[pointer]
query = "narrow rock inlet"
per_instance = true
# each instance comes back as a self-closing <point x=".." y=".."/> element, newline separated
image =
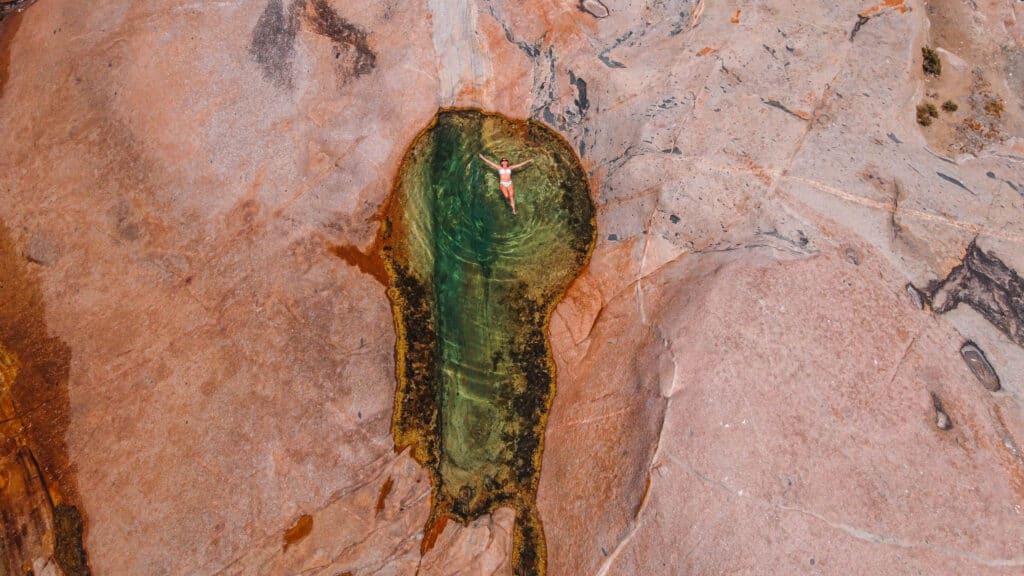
<point x="472" y="287"/>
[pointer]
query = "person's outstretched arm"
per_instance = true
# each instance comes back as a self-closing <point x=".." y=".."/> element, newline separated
<point x="491" y="164"/>
<point x="521" y="164"/>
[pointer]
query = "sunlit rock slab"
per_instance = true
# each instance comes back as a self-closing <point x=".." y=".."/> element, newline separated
<point x="174" y="173"/>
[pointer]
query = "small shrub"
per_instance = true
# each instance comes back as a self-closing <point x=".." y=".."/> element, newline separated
<point x="925" y="113"/>
<point x="994" y="108"/>
<point x="932" y="63"/>
<point x="950" y="106"/>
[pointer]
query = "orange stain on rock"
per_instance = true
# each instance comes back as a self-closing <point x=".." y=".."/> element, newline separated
<point x="35" y="469"/>
<point x="302" y="527"/>
<point x="382" y="498"/>
<point x="736" y="17"/>
<point x="430" y="535"/>
<point x="39" y="396"/>
<point x="1010" y="453"/>
<point x="707" y="50"/>
<point x="897" y="5"/>
<point x="368" y="262"/>
<point x="757" y="170"/>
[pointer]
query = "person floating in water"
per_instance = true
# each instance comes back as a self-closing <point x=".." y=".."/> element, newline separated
<point x="505" y="178"/>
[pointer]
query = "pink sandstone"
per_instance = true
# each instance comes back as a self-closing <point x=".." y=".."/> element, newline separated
<point x="744" y="385"/>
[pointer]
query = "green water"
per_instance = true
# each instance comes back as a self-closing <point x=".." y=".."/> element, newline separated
<point x="472" y="289"/>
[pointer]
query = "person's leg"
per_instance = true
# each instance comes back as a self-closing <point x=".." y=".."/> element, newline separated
<point x="512" y="197"/>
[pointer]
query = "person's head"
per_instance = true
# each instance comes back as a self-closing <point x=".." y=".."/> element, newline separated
<point x="504" y="162"/>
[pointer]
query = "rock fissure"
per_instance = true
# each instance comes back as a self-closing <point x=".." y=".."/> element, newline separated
<point x="886" y="540"/>
<point x="853" y="531"/>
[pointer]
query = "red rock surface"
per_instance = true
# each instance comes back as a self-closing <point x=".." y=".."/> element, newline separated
<point x="744" y="385"/>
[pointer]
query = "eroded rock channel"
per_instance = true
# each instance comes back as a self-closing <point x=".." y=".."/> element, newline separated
<point x="472" y="288"/>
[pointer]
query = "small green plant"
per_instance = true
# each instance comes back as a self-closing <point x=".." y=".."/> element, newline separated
<point x="950" y="106"/>
<point x="925" y="112"/>
<point x="932" y="63"/>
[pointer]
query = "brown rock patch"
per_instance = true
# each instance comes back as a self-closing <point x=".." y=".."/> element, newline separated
<point x="385" y="490"/>
<point x="37" y="416"/>
<point x="302" y="527"/>
<point x="8" y="27"/>
<point x="368" y="262"/>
